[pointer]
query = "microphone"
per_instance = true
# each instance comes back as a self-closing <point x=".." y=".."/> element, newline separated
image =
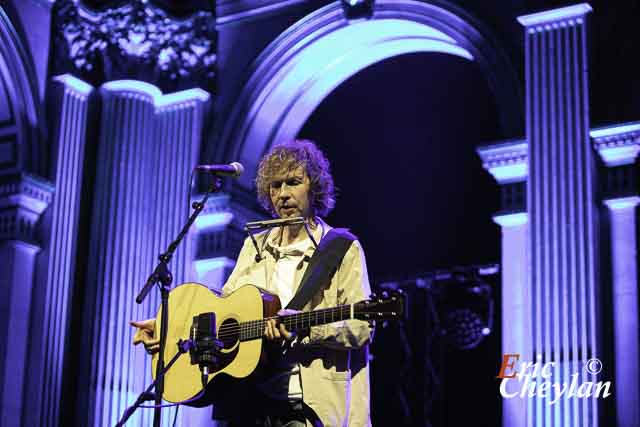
<point x="234" y="169"/>
<point x="262" y="225"/>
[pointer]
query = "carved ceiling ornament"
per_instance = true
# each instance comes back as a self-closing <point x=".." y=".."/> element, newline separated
<point x="135" y="40"/>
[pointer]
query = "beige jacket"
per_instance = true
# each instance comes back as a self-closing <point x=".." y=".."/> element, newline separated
<point x="333" y="358"/>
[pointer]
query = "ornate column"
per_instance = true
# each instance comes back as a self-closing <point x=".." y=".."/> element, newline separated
<point x="71" y="118"/>
<point x="23" y="199"/>
<point x="179" y="123"/>
<point x="507" y="162"/>
<point x="148" y="145"/>
<point x="563" y="241"/>
<point x="618" y="147"/>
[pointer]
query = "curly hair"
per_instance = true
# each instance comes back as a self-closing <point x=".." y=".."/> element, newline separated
<point x="287" y="157"/>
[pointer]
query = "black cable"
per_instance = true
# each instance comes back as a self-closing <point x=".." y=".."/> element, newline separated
<point x="175" y="416"/>
<point x="189" y="188"/>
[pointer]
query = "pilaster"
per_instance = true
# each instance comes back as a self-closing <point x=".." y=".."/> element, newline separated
<point x="561" y="206"/>
<point x="148" y="146"/>
<point x="618" y="146"/>
<point x="71" y="119"/>
<point x="507" y="162"/>
<point x="23" y="199"/>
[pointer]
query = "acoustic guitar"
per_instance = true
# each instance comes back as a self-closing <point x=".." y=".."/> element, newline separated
<point x="240" y="323"/>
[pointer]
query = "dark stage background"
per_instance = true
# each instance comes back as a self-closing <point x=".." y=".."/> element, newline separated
<point x="401" y="136"/>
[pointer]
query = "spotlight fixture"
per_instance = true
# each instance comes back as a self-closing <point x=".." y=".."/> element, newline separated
<point x="467" y="310"/>
<point x="358" y="9"/>
<point x="464" y="328"/>
<point x="462" y="307"/>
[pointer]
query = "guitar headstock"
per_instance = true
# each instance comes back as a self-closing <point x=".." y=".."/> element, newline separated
<point x="388" y="305"/>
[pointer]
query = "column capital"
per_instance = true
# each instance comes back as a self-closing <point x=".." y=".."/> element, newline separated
<point x="511" y="219"/>
<point x="506" y="160"/>
<point x="621" y="203"/>
<point x="153" y="95"/>
<point x="215" y="215"/>
<point x="23" y="198"/>
<point x="75" y="85"/>
<point x="544" y="20"/>
<point x="617" y="145"/>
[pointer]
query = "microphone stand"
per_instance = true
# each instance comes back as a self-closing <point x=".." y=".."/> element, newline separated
<point x="183" y="347"/>
<point x="162" y="277"/>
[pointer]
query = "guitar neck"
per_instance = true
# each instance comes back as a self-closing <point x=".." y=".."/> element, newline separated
<point x="254" y="329"/>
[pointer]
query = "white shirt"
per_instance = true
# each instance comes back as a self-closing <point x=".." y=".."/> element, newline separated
<point x="289" y="258"/>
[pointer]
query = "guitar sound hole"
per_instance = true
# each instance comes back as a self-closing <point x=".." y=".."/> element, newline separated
<point x="229" y="332"/>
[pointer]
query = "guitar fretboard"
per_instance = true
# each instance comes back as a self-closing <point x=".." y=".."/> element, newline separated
<point x="254" y="329"/>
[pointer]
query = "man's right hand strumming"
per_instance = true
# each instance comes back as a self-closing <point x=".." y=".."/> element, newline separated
<point x="145" y="335"/>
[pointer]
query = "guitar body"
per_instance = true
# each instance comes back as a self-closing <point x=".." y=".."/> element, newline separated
<point x="240" y="322"/>
<point x="239" y="358"/>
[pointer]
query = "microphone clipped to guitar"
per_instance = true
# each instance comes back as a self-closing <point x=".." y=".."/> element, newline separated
<point x="205" y="349"/>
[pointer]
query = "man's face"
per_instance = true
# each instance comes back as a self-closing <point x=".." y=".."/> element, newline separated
<point x="290" y="194"/>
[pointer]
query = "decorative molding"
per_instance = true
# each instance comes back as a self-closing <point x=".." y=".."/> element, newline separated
<point x="617" y="145"/>
<point x="79" y="87"/>
<point x="511" y="219"/>
<point x="39" y="191"/>
<point x="506" y="160"/>
<point x="135" y="40"/>
<point x="542" y="20"/>
<point x="232" y="11"/>
<point x="161" y="102"/>
<point x="23" y="198"/>
<point x="622" y="203"/>
<point x="617" y="131"/>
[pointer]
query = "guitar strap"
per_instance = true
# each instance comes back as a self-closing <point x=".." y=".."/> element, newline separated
<point x="322" y="266"/>
<point x="239" y="395"/>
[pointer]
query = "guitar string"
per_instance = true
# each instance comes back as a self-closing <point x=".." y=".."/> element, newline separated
<point x="255" y="326"/>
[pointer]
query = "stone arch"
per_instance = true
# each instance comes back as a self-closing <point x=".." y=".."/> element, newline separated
<point x="21" y="116"/>
<point x="305" y="63"/>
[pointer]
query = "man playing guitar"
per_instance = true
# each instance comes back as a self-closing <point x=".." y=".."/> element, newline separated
<point x="321" y="376"/>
